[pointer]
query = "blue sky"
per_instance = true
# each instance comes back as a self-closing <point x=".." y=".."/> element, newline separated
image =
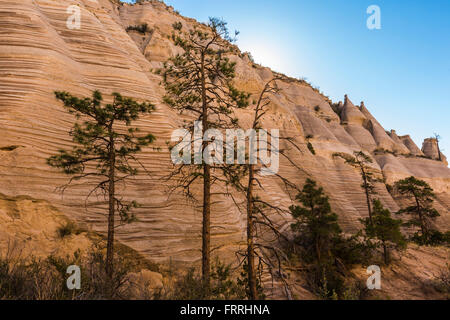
<point x="401" y="72"/>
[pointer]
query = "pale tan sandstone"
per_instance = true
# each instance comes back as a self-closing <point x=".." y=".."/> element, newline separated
<point x="410" y="144"/>
<point x="400" y="146"/>
<point x="39" y="54"/>
<point x="430" y="149"/>
<point x="384" y="141"/>
<point x="413" y="276"/>
<point x="29" y="228"/>
<point x="351" y="114"/>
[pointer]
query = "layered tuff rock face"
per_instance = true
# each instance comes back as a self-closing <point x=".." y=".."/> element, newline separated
<point x="40" y="54"/>
<point x="29" y="227"/>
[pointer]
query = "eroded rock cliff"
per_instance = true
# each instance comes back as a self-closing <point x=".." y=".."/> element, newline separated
<point x="40" y="54"/>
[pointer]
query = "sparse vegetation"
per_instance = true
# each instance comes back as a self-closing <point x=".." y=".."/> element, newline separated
<point x="435" y="238"/>
<point x="143" y="28"/>
<point x="442" y="281"/>
<point x="191" y="287"/>
<point x="384" y="151"/>
<point x="67" y="229"/>
<point x="362" y="162"/>
<point x="311" y="148"/>
<point x="438" y="140"/>
<point x="45" y="279"/>
<point x="177" y="26"/>
<point x="9" y="148"/>
<point x="250" y="56"/>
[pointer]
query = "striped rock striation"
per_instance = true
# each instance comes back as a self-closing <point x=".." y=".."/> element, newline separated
<point x="40" y="54"/>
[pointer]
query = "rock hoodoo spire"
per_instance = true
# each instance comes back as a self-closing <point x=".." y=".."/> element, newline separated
<point x="430" y="149"/>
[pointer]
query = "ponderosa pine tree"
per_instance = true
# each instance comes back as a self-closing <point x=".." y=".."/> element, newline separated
<point x="105" y="144"/>
<point x="253" y="205"/>
<point x="258" y="209"/>
<point x="315" y="222"/>
<point x="385" y="229"/>
<point x="362" y="162"/>
<point x="198" y="82"/>
<point x="422" y="211"/>
<point x="317" y="232"/>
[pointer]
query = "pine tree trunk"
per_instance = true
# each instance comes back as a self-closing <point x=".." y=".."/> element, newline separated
<point x="422" y="221"/>
<point x="386" y="253"/>
<point x="111" y="198"/>
<point x="439" y="149"/>
<point x="250" y="245"/>
<point x="319" y="258"/>
<point x="366" y="188"/>
<point x="206" y="231"/>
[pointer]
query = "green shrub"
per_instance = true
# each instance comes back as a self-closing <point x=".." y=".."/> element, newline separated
<point x="250" y="57"/>
<point x="67" y="229"/>
<point x="45" y="279"/>
<point x="353" y="251"/>
<point x="177" y="26"/>
<point x="442" y="281"/>
<point x="191" y="287"/>
<point x="384" y="151"/>
<point x="325" y="253"/>
<point x="390" y="188"/>
<point x="243" y="283"/>
<point x="34" y="280"/>
<point x="329" y="283"/>
<point x="9" y="148"/>
<point x="143" y="28"/>
<point x="311" y="148"/>
<point x="433" y="238"/>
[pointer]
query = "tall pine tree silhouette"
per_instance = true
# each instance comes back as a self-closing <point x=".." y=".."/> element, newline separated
<point x="105" y="147"/>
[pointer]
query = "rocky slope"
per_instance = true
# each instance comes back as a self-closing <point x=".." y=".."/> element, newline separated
<point x="29" y="227"/>
<point x="40" y="54"/>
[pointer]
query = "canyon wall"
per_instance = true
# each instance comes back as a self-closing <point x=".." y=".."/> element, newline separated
<point x="40" y="54"/>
